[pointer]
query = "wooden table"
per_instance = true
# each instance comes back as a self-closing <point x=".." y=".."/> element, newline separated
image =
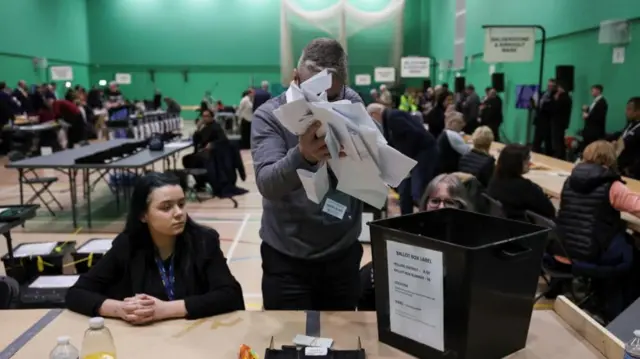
<point x="552" y="179"/>
<point x="15" y="322"/>
<point x="551" y="335"/>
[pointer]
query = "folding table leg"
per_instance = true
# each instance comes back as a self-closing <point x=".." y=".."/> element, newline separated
<point x="72" y="190"/>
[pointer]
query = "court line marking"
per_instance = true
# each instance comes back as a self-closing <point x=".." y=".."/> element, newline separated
<point x="29" y="334"/>
<point x="236" y="239"/>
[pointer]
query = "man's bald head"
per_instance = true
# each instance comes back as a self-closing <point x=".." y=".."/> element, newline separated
<point x="323" y="54"/>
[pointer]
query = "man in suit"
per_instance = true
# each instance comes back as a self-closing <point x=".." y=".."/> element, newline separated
<point x="560" y="119"/>
<point x="21" y="94"/>
<point x="595" y="117"/>
<point x="471" y="109"/>
<point x="261" y="95"/>
<point x="542" y="138"/>
<point x="628" y="141"/>
<point x="408" y="135"/>
<point x="492" y="113"/>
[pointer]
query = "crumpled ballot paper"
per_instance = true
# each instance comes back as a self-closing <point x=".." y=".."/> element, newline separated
<point x="370" y="164"/>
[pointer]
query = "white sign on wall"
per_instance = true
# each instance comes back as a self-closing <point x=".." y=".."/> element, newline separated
<point x="123" y="79"/>
<point x="61" y="73"/>
<point x="415" y="67"/>
<point x="363" y="80"/>
<point x="509" y="44"/>
<point x="618" y="55"/>
<point x="384" y="74"/>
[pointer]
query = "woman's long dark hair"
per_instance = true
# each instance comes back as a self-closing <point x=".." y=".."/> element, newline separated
<point x="511" y="161"/>
<point x="135" y="229"/>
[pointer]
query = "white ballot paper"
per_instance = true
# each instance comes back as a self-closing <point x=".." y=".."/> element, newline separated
<point x="316" y="185"/>
<point x="54" y="281"/>
<point x="370" y="164"/>
<point x="416" y="303"/>
<point x="98" y="245"/>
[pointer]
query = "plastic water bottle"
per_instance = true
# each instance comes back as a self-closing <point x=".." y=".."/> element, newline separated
<point x="98" y="342"/>
<point x="632" y="349"/>
<point x="64" y="350"/>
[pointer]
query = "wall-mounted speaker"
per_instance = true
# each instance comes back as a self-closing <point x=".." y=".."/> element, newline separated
<point x="564" y="76"/>
<point x="497" y="81"/>
<point x="459" y="85"/>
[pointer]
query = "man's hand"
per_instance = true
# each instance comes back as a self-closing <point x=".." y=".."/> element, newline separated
<point x="313" y="149"/>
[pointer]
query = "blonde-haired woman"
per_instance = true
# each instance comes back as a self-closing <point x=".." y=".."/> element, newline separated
<point x="451" y="144"/>
<point x="478" y="162"/>
<point x="591" y="227"/>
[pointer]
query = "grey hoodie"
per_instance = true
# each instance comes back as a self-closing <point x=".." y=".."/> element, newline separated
<point x="291" y="223"/>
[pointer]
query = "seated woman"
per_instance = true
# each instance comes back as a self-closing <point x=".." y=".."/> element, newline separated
<point x="590" y="224"/>
<point x="163" y="265"/>
<point x="478" y="162"/>
<point x="444" y="191"/>
<point x="451" y="144"/>
<point x="516" y="193"/>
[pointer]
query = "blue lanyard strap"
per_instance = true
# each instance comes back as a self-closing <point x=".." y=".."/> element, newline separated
<point x="168" y="278"/>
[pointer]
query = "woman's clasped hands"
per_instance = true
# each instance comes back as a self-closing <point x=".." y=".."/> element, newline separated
<point x="142" y="309"/>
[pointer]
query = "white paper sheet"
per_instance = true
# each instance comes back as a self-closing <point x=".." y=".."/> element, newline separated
<point x="416" y="293"/>
<point x="332" y="143"/>
<point x="34" y="249"/>
<point x="316" y="185"/>
<point x="100" y="245"/>
<point x="54" y="281"/>
<point x="394" y="166"/>
<point x="365" y="234"/>
<point x="361" y="180"/>
<point x="318" y="83"/>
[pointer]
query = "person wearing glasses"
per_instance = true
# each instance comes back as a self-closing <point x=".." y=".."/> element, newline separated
<point x="444" y="191"/>
<point x="516" y="193"/>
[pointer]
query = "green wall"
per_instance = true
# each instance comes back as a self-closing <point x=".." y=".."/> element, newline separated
<point x="224" y="45"/>
<point x="52" y="29"/>
<point x="572" y="32"/>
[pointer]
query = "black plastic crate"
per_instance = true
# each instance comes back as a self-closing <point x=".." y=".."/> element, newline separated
<point x="84" y="257"/>
<point x="459" y="284"/>
<point x="25" y="269"/>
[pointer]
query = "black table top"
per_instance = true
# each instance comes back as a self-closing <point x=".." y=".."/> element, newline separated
<point x="147" y="157"/>
<point x="67" y="158"/>
<point x="624" y="325"/>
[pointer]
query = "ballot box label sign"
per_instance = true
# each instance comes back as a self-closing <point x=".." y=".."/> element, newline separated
<point x="416" y="303"/>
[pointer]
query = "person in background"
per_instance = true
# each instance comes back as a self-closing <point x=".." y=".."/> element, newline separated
<point x="208" y="98"/>
<point x="95" y="98"/>
<point x="69" y="112"/>
<point x="385" y="96"/>
<point x="407" y="102"/>
<point x="7" y="105"/>
<point x="114" y="96"/>
<point x="207" y="133"/>
<point x="219" y="106"/>
<point x="471" y="109"/>
<point x="310" y="254"/>
<point x="595" y="117"/>
<point x="516" y="193"/>
<point x="542" y="139"/>
<point x="162" y="266"/>
<point x="592" y="230"/>
<point x="560" y="120"/>
<point x="51" y="92"/>
<point x="492" y="113"/>
<point x="375" y="97"/>
<point x="451" y="145"/>
<point x="157" y="100"/>
<point x="245" y="114"/>
<point x="24" y="98"/>
<point x="627" y="141"/>
<point x="479" y="162"/>
<point x="173" y="107"/>
<point x="435" y="117"/>
<point x="410" y="138"/>
<point x="261" y="95"/>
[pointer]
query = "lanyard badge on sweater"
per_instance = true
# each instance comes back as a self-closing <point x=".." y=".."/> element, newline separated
<point x="167" y="276"/>
<point x="630" y="131"/>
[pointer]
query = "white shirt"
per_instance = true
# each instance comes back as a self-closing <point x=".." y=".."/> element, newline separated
<point x="245" y="109"/>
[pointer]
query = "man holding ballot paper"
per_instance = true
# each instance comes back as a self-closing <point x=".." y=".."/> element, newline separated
<point x="317" y="156"/>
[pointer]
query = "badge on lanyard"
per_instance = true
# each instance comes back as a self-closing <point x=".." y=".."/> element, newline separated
<point x="167" y="277"/>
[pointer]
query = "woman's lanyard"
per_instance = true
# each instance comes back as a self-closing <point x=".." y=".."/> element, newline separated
<point x="167" y="277"/>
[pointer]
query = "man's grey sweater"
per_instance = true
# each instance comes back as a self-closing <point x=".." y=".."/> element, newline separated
<point x="291" y="223"/>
